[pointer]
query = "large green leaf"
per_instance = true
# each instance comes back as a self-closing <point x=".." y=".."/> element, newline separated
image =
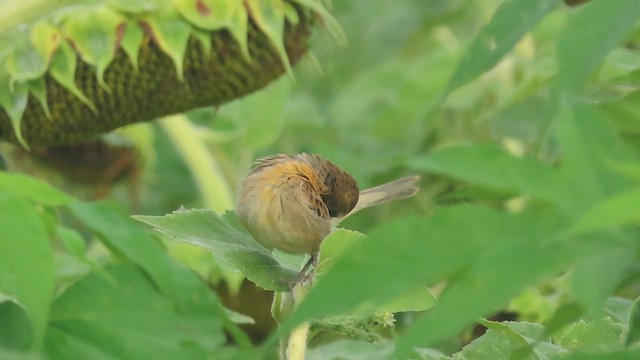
<point x="617" y="210"/>
<point x="590" y="35"/>
<point x="504" y="340"/>
<point x="228" y="242"/>
<point x="34" y="190"/>
<point x="487" y="285"/>
<point x="511" y="21"/>
<point x="127" y="238"/>
<point x="594" y="279"/>
<point x="492" y="166"/>
<point x="402" y="255"/>
<point x="26" y="263"/>
<point x="128" y="319"/>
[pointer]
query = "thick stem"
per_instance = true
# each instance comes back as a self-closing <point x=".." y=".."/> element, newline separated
<point x="185" y="136"/>
<point x="295" y="345"/>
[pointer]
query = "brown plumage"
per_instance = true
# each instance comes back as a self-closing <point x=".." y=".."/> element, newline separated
<point x="291" y="202"/>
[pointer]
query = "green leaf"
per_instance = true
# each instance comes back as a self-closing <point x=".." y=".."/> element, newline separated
<point x="415" y="251"/>
<point x="602" y="335"/>
<point x="616" y="355"/>
<point x="121" y="234"/>
<point x="504" y="273"/>
<point x="131" y="41"/>
<point x="633" y="334"/>
<point x="32" y="189"/>
<point x="95" y="319"/>
<point x="30" y="58"/>
<point x="95" y="37"/>
<point x="63" y="70"/>
<point x="171" y="32"/>
<point x="227" y="241"/>
<point x="16" y="330"/>
<point x="135" y="7"/>
<point x="492" y="166"/>
<point x="619" y="309"/>
<point x="261" y="116"/>
<point x="339" y="242"/>
<point x="563" y="316"/>
<point x="216" y="15"/>
<point x="511" y="21"/>
<point x="26" y="263"/>
<point x="351" y="350"/>
<point x="38" y="88"/>
<point x="75" y="246"/>
<point x="13" y="98"/>
<point x="596" y="29"/>
<point x="269" y="17"/>
<point x="618" y="210"/>
<point x="328" y="21"/>
<point x="336" y="245"/>
<point x="504" y="340"/>
<point x="588" y="142"/>
<point x="594" y="279"/>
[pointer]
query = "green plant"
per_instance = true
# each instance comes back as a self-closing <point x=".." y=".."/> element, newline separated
<point x="522" y="118"/>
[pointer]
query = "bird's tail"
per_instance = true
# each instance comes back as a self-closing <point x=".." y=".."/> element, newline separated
<point x="394" y="190"/>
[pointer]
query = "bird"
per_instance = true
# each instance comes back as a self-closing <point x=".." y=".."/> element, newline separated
<point x="292" y="202"/>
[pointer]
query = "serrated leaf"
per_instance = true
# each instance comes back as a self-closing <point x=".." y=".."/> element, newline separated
<point x="32" y="189"/>
<point x="63" y="70"/>
<point x="492" y="166"/>
<point x="95" y="37"/>
<point x="26" y="263"/>
<point x="511" y="21"/>
<point x="171" y="33"/>
<point x="227" y="242"/>
<point x="269" y="17"/>
<point x="602" y="335"/>
<point x="506" y="340"/>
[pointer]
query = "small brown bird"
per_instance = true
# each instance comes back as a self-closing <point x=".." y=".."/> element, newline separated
<point x="291" y="202"/>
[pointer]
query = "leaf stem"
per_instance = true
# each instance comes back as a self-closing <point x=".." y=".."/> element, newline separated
<point x="185" y="136"/>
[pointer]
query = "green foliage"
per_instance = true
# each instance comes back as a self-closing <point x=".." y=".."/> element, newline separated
<point x="520" y="116"/>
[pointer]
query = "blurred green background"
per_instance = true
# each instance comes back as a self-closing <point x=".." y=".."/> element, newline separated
<point x="374" y="107"/>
